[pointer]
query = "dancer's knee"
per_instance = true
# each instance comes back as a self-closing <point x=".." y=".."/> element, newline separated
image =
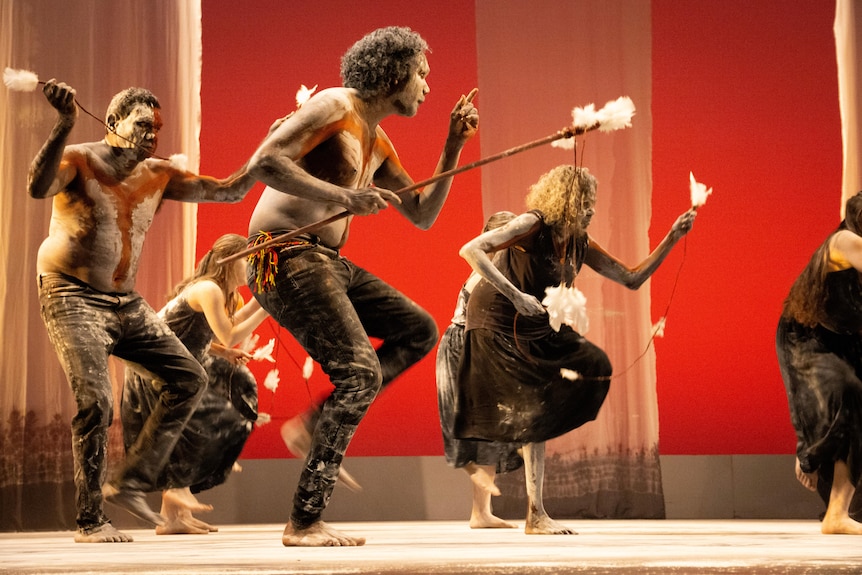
<point x="189" y="384"/>
<point x="423" y="334"/>
<point x="95" y="406"/>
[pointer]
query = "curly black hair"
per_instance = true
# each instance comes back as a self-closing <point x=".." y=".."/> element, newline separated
<point x="124" y="102"/>
<point x="381" y="60"/>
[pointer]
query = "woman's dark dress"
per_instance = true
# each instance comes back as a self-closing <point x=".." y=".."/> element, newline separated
<point x="218" y="429"/>
<point x="822" y="371"/>
<point x="510" y="385"/>
<point x="503" y="456"/>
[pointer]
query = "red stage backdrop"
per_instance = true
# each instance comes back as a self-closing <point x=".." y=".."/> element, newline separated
<point x="744" y="93"/>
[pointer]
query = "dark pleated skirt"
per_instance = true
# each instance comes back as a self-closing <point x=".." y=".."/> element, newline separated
<point x="515" y="392"/>
<point x="503" y="456"/>
<point x="821" y="372"/>
<point x="214" y="435"/>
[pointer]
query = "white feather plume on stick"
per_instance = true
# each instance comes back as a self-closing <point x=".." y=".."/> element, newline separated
<point x="20" y="80"/>
<point x="698" y="192"/>
<point x="615" y="115"/>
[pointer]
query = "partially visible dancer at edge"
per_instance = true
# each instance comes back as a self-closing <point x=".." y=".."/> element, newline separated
<point x="332" y="157"/>
<point x="481" y="460"/>
<point x="819" y="346"/>
<point x="208" y="314"/>
<point x="522" y="381"/>
<point x="105" y="195"/>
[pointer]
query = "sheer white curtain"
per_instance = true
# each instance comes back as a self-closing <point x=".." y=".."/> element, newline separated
<point x="537" y="61"/>
<point x="848" y="31"/>
<point x="99" y="47"/>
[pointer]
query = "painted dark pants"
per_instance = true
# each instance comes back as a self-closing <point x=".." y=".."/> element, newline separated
<point x="332" y="307"/>
<point x="86" y="326"/>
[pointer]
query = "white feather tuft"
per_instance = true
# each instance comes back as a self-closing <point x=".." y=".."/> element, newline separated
<point x="569" y="374"/>
<point x="20" y="80"/>
<point x="179" y="162"/>
<point x="658" y="328"/>
<point x="307" y="368"/>
<point x="249" y="343"/>
<point x="303" y="94"/>
<point x="585" y="117"/>
<point x="263" y="418"/>
<point x="698" y="192"/>
<point x="271" y="380"/>
<point x="616" y="114"/>
<point x="567" y="305"/>
<point x="265" y="352"/>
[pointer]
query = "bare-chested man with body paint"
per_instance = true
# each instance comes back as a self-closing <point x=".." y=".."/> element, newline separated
<point x="105" y="195"/>
<point x="328" y="157"/>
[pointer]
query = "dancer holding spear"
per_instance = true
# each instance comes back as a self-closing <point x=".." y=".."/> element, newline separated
<point x="331" y="157"/>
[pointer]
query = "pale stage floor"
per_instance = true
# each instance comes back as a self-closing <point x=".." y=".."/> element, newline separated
<point x="430" y="547"/>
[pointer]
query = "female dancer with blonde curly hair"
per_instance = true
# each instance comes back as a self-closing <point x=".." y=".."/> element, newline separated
<point x="521" y="380"/>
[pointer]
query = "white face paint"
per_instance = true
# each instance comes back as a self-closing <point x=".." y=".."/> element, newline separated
<point x="413" y="92"/>
<point x="140" y="128"/>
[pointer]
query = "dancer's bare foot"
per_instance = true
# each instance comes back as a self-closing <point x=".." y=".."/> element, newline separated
<point x="133" y="501"/>
<point x="297" y="438"/>
<point x="182" y="498"/>
<point x="837" y="519"/>
<point x="318" y="534"/>
<point x="489" y="521"/>
<point x="177" y="507"/>
<point x="482" y="478"/>
<point x="180" y="526"/>
<point x="808" y="480"/>
<point x="840" y="525"/>
<point x="546" y="526"/>
<point x="104" y="533"/>
<point x="195" y="522"/>
<point x="184" y="523"/>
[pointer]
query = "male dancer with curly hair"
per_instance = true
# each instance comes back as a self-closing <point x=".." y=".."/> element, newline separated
<point x="332" y="156"/>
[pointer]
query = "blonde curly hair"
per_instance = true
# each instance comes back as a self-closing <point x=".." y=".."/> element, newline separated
<point x="560" y="192"/>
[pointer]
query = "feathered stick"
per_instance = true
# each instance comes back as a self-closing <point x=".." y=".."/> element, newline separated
<point x="698" y="192"/>
<point x="20" y="80"/>
<point x="614" y="116"/>
<point x="27" y="81"/>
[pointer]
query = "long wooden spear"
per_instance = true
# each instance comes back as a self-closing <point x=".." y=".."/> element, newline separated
<point x="567" y="132"/>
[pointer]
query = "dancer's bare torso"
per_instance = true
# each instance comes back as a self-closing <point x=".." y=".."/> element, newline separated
<point x="101" y="217"/>
<point x="338" y="147"/>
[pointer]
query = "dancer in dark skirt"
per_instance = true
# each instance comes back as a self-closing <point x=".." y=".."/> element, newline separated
<point x="819" y="346"/>
<point x="482" y="460"/>
<point x="522" y="380"/>
<point x="205" y="307"/>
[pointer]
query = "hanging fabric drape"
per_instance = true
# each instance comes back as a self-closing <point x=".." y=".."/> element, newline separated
<point x="99" y="47"/>
<point x="848" y="31"/>
<point x="609" y="467"/>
